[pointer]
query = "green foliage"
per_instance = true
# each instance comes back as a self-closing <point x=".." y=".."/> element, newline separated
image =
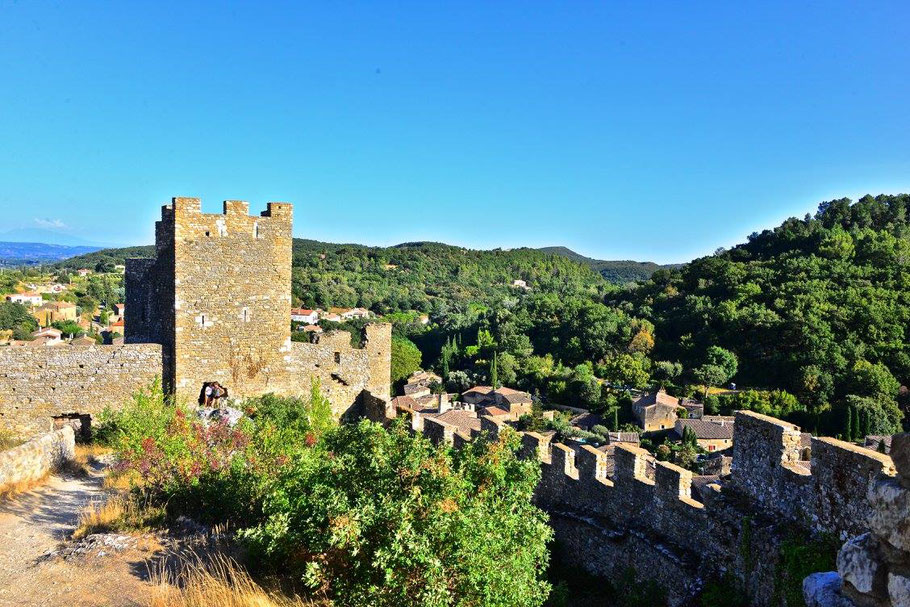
<point x="381" y="517"/>
<point x="799" y="556"/>
<point x="16" y="317"/>
<point x="776" y="403"/>
<point x="819" y="307"/>
<point x="69" y="328"/>
<point x="406" y="358"/>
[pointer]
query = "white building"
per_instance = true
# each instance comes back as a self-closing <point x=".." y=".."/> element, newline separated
<point x="26" y="299"/>
<point x="310" y="317"/>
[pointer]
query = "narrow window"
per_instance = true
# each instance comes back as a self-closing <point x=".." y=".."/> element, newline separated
<point x="246" y="315"/>
<point x="337" y="358"/>
<point x="255" y="229"/>
<point x="202" y="320"/>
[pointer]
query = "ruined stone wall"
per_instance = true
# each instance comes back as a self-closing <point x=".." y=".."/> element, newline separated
<point x="828" y="495"/>
<point x="680" y="536"/>
<point x="31" y="461"/>
<point x="39" y="383"/>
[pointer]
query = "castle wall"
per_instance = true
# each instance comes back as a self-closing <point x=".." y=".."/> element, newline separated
<point x="229" y="278"/>
<point x="232" y="297"/>
<point x="681" y="537"/>
<point x="31" y="461"/>
<point x="39" y="383"/>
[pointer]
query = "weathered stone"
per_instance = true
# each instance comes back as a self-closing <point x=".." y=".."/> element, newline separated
<point x="900" y="453"/>
<point x="857" y="564"/>
<point x="899" y="590"/>
<point x="37" y="384"/>
<point x="32" y="460"/>
<point x="890" y="518"/>
<point x="823" y="590"/>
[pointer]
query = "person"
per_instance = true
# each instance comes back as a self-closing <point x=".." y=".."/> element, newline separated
<point x="209" y="393"/>
<point x="218" y="392"/>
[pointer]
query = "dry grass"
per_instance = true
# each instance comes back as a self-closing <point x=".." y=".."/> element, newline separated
<point x="120" y="481"/>
<point x="85" y="459"/>
<point x="13" y="489"/>
<point x="216" y="581"/>
<point x="8" y="440"/>
<point x="117" y="513"/>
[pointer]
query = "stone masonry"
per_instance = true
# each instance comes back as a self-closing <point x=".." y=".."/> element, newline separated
<point x="31" y="461"/>
<point x="873" y="568"/>
<point x="212" y="305"/>
<point x="679" y="533"/>
<point x="37" y="384"/>
<point x="217" y="297"/>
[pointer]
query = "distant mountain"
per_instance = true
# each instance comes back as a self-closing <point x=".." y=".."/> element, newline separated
<point x="33" y="253"/>
<point x="619" y="272"/>
<point x="49" y="237"/>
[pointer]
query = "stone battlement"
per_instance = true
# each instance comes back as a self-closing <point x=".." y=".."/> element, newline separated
<point x="680" y="529"/>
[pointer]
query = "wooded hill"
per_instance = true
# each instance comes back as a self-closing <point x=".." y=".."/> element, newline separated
<point x="619" y="272"/>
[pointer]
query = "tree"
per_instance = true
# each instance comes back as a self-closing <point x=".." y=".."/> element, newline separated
<point x="406" y="358"/>
<point x="494" y="377"/>
<point x="665" y="372"/>
<point x="710" y="375"/>
<point x="16" y="317"/>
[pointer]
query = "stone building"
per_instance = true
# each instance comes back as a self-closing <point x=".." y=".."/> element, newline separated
<point x="213" y="304"/>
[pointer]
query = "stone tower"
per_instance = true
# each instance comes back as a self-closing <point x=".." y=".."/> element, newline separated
<point x="217" y="296"/>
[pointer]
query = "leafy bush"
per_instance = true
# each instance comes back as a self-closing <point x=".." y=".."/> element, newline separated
<point x="381" y="517"/>
<point x="360" y="513"/>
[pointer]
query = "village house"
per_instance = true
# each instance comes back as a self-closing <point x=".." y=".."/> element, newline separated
<point x="48" y="336"/>
<point x="55" y="311"/>
<point x="355" y="313"/>
<point x="488" y="401"/>
<point x="709" y="435"/>
<point x="312" y="329"/>
<point x="518" y="283"/>
<point x="119" y="309"/>
<point x="83" y="271"/>
<point x="656" y="411"/>
<point x="29" y="298"/>
<point x="82" y="341"/>
<point x="310" y="317"/>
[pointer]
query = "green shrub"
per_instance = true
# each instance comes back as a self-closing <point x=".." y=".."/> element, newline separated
<point x="381" y="517"/>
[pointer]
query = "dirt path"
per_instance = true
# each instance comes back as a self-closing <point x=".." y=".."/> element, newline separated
<point x="34" y="524"/>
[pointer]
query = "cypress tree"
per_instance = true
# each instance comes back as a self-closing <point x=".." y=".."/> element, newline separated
<point x="848" y="424"/>
<point x="494" y="373"/>
<point x="615" y="418"/>
<point x="864" y="417"/>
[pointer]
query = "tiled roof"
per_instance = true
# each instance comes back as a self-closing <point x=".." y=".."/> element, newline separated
<point x="479" y="390"/>
<point x="494" y="411"/>
<point x="465" y="421"/>
<point x="705" y="429"/>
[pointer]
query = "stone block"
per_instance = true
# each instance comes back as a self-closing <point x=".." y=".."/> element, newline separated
<point x="823" y="590"/>
<point x="890" y="518"/>
<point x="900" y="453"/>
<point x="899" y="590"/>
<point x="857" y="564"/>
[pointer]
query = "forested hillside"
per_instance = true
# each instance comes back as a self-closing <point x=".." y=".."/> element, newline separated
<point x="619" y="272"/>
<point x="818" y="306"/>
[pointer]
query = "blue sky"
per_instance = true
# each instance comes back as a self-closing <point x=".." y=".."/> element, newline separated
<point x="651" y="131"/>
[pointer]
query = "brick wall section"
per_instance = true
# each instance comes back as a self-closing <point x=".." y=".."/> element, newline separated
<point x="680" y="537"/>
<point x="39" y="383"/>
<point x="31" y="461"/>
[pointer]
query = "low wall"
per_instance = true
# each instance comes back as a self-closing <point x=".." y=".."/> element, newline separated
<point x="680" y="533"/>
<point x="39" y="383"/>
<point x="31" y="461"/>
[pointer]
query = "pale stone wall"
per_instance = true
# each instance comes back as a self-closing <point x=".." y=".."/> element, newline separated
<point x="37" y="384"/>
<point x="31" y="461"/>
